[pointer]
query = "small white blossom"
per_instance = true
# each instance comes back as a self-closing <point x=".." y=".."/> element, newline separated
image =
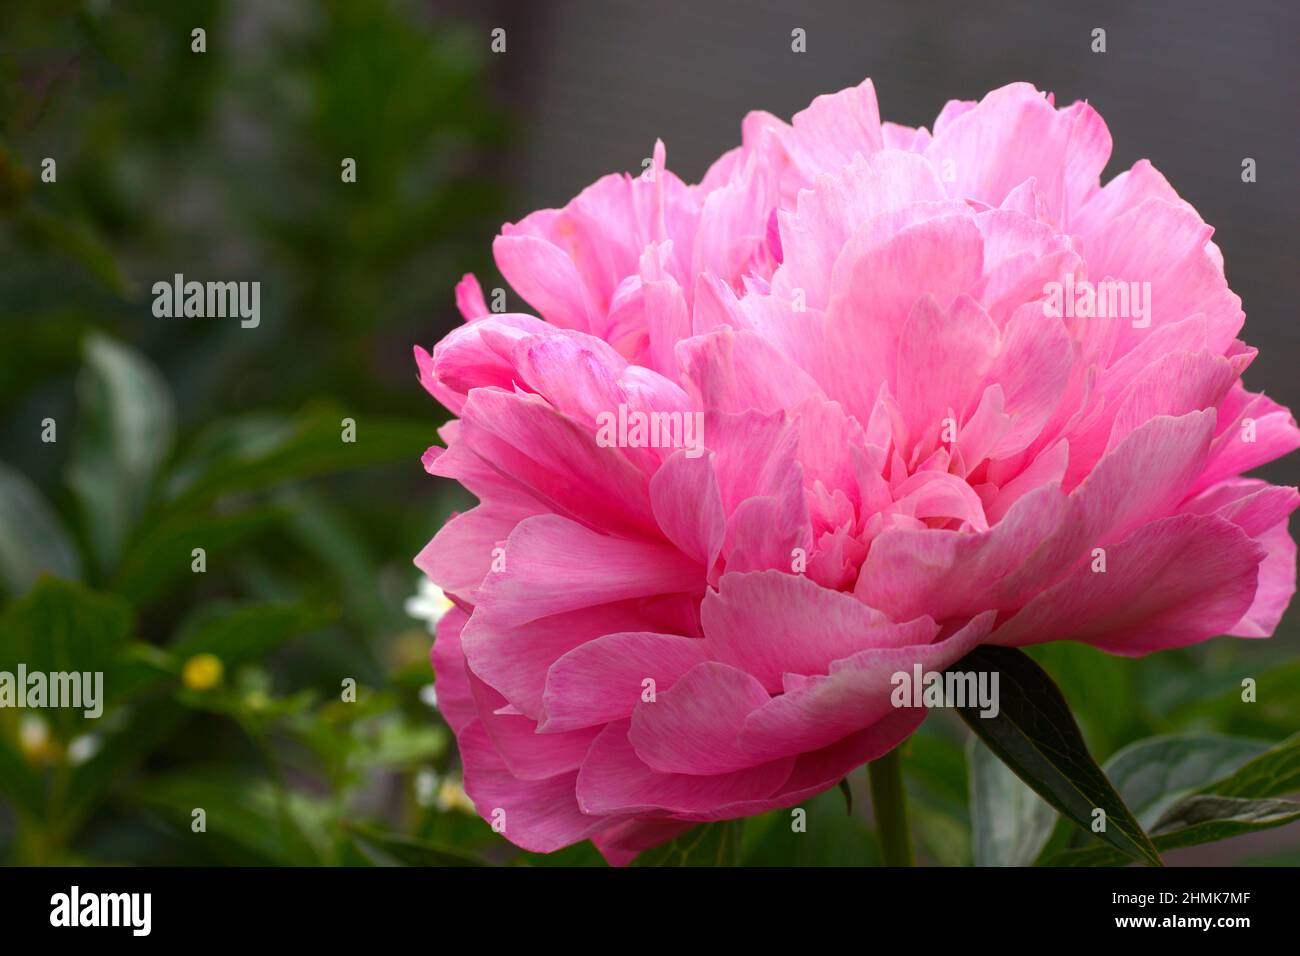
<point x="83" y="748"/>
<point x="428" y="604"/>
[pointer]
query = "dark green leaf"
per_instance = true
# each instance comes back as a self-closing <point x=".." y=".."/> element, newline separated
<point x="76" y="240"/>
<point x="249" y="821"/>
<point x="20" y="782"/>
<point x="165" y="551"/>
<point x="1106" y="682"/>
<point x="121" y="749"/>
<point x="32" y="539"/>
<point x="314" y="447"/>
<point x="61" y="626"/>
<point x="241" y="635"/>
<point x="1035" y="735"/>
<point x="1196" y="820"/>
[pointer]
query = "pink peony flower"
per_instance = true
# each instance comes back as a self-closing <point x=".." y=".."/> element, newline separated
<point x="864" y="398"/>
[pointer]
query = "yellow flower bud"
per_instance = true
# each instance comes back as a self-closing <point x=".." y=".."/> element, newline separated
<point x="202" y="672"/>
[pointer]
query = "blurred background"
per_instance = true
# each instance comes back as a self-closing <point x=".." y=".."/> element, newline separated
<point x="226" y="685"/>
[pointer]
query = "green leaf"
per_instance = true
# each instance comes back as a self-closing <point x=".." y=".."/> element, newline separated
<point x="934" y="767"/>
<point x="1151" y="775"/>
<point x="313" y="447"/>
<point x="1239" y="803"/>
<point x="936" y="762"/>
<point x="20" y="782"/>
<point x="1212" y="812"/>
<point x="77" y="241"/>
<point x="394" y="744"/>
<point x="249" y="821"/>
<point x="1106" y="682"/>
<point x="1273" y="772"/>
<point x="165" y="551"/>
<point x="126" y="430"/>
<point x="943" y="836"/>
<point x="32" y="539"/>
<point x="392" y="849"/>
<point x="1196" y="820"/>
<point x="343" y="557"/>
<point x="828" y="836"/>
<point x="709" y="844"/>
<point x="1035" y="735"/>
<point x="1010" y="825"/>
<point x="61" y="626"/>
<point x="244" y="634"/>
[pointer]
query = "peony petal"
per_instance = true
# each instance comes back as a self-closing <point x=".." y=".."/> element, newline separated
<point x="516" y="660"/>
<point x="688" y="506"/>
<point x="546" y="278"/>
<point x="1173" y="582"/>
<point x="1144" y="476"/>
<point x="874" y="287"/>
<point x="951" y="574"/>
<point x="553" y="565"/>
<point x="538" y="815"/>
<point x="1276" y="584"/>
<point x="693" y="726"/>
<point x="817" y="711"/>
<point x="770" y="623"/>
<point x="615" y="780"/>
<point x="451" y="678"/>
<point x="602" y="681"/>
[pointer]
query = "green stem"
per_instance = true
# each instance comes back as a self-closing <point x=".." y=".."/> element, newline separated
<point x="889" y="803"/>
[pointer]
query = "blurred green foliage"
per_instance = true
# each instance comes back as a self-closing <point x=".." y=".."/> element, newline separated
<point x="176" y="434"/>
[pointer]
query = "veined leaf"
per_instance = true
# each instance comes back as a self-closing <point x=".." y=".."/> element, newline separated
<point x="1243" y="802"/>
<point x="1274" y="772"/>
<point x="1151" y="775"/>
<point x="1035" y="735"/>
<point x="1213" y="812"/>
